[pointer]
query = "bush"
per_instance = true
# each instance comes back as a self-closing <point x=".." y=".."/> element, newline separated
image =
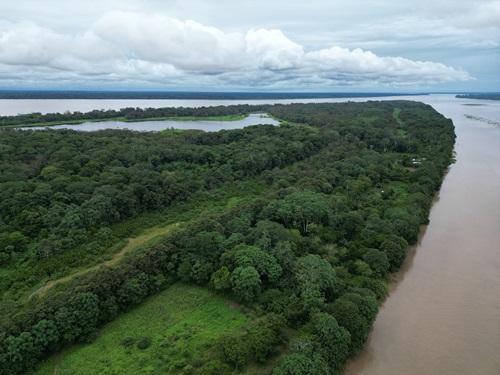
<point x="213" y="368"/>
<point x="234" y="351"/>
<point x="128" y="342"/>
<point x="144" y="343"/>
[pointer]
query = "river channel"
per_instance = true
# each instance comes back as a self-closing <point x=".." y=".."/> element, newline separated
<point x="443" y="314"/>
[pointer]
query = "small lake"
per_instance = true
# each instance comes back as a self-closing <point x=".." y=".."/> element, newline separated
<point x="209" y="126"/>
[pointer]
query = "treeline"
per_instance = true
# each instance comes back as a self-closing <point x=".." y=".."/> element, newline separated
<point x="127" y="114"/>
<point x="349" y="185"/>
<point x="488" y="96"/>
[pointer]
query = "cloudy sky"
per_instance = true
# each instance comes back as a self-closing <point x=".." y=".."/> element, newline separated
<point x="258" y="45"/>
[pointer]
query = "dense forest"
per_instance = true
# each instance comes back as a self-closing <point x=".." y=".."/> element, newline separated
<point x="323" y="208"/>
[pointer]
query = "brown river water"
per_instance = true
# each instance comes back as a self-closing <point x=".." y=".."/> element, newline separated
<point x="443" y="314"/>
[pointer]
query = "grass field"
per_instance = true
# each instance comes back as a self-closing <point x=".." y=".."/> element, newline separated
<point x="180" y="325"/>
<point x="395" y="114"/>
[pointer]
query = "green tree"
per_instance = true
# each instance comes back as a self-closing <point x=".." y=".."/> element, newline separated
<point x="234" y="351"/>
<point x="214" y="367"/>
<point x="262" y="343"/>
<point x="403" y="223"/>
<point x="314" y="273"/>
<point x="300" y="364"/>
<point x="45" y="333"/>
<point x="246" y="283"/>
<point x="301" y="208"/>
<point x="20" y="349"/>
<point x="378" y="262"/>
<point x="352" y="224"/>
<point x="265" y="264"/>
<point x="396" y="249"/>
<point x="367" y="304"/>
<point x="201" y="272"/>
<point x="348" y="316"/>
<point x="77" y="320"/>
<point x="98" y="210"/>
<point x="314" y="276"/>
<point x="333" y="341"/>
<point x="221" y="279"/>
<point x="132" y="291"/>
<point x="362" y="268"/>
<point x="14" y="241"/>
<point x="284" y="255"/>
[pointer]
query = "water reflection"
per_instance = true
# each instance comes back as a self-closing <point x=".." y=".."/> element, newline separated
<point x="252" y="119"/>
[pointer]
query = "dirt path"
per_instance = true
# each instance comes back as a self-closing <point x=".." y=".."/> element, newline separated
<point x="132" y="244"/>
<point x="57" y="366"/>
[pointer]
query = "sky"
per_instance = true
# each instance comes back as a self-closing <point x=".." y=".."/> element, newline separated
<point x="258" y="45"/>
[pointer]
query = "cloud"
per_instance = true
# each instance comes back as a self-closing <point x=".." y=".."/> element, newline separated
<point x="273" y="50"/>
<point x="189" y="46"/>
<point x="135" y="47"/>
<point x="26" y="43"/>
<point x="365" y="65"/>
<point x="471" y="14"/>
<point x="486" y="15"/>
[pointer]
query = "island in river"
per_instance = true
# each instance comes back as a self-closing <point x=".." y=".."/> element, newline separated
<point x="443" y="316"/>
<point x="334" y="189"/>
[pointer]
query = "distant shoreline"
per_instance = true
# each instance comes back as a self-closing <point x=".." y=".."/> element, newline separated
<point x="490" y="96"/>
<point x="76" y="94"/>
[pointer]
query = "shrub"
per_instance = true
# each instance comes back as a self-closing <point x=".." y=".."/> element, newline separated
<point x="144" y="343"/>
<point x="128" y="342"/>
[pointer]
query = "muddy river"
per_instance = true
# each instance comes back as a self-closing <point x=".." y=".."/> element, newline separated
<point x="443" y="314"/>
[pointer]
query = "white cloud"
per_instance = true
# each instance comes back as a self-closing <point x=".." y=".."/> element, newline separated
<point x="471" y="14"/>
<point x="189" y="45"/>
<point x="28" y="44"/>
<point x="366" y="65"/>
<point x="486" y="15"/>
<point x="130" y="46"/>
<point x="273" y="50"/>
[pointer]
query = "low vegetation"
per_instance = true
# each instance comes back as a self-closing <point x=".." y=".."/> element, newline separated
<point x="175" y="330"/>
<point x="300" y="224"/>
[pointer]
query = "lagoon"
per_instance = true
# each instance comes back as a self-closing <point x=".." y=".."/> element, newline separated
<point x="252" y="119"/>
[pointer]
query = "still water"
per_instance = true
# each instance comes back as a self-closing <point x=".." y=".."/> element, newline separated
<point x="443" y="314"/>
<point x="252" y="119"/>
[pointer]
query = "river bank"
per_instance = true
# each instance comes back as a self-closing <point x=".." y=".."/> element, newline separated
<point x="443" y="316"/>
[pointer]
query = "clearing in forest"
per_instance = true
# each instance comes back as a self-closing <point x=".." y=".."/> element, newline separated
<point x="163" y="335"/>
<point x="132" y="243"/>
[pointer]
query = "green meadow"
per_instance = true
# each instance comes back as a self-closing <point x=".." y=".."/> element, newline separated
<point x="172" y="332"/>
